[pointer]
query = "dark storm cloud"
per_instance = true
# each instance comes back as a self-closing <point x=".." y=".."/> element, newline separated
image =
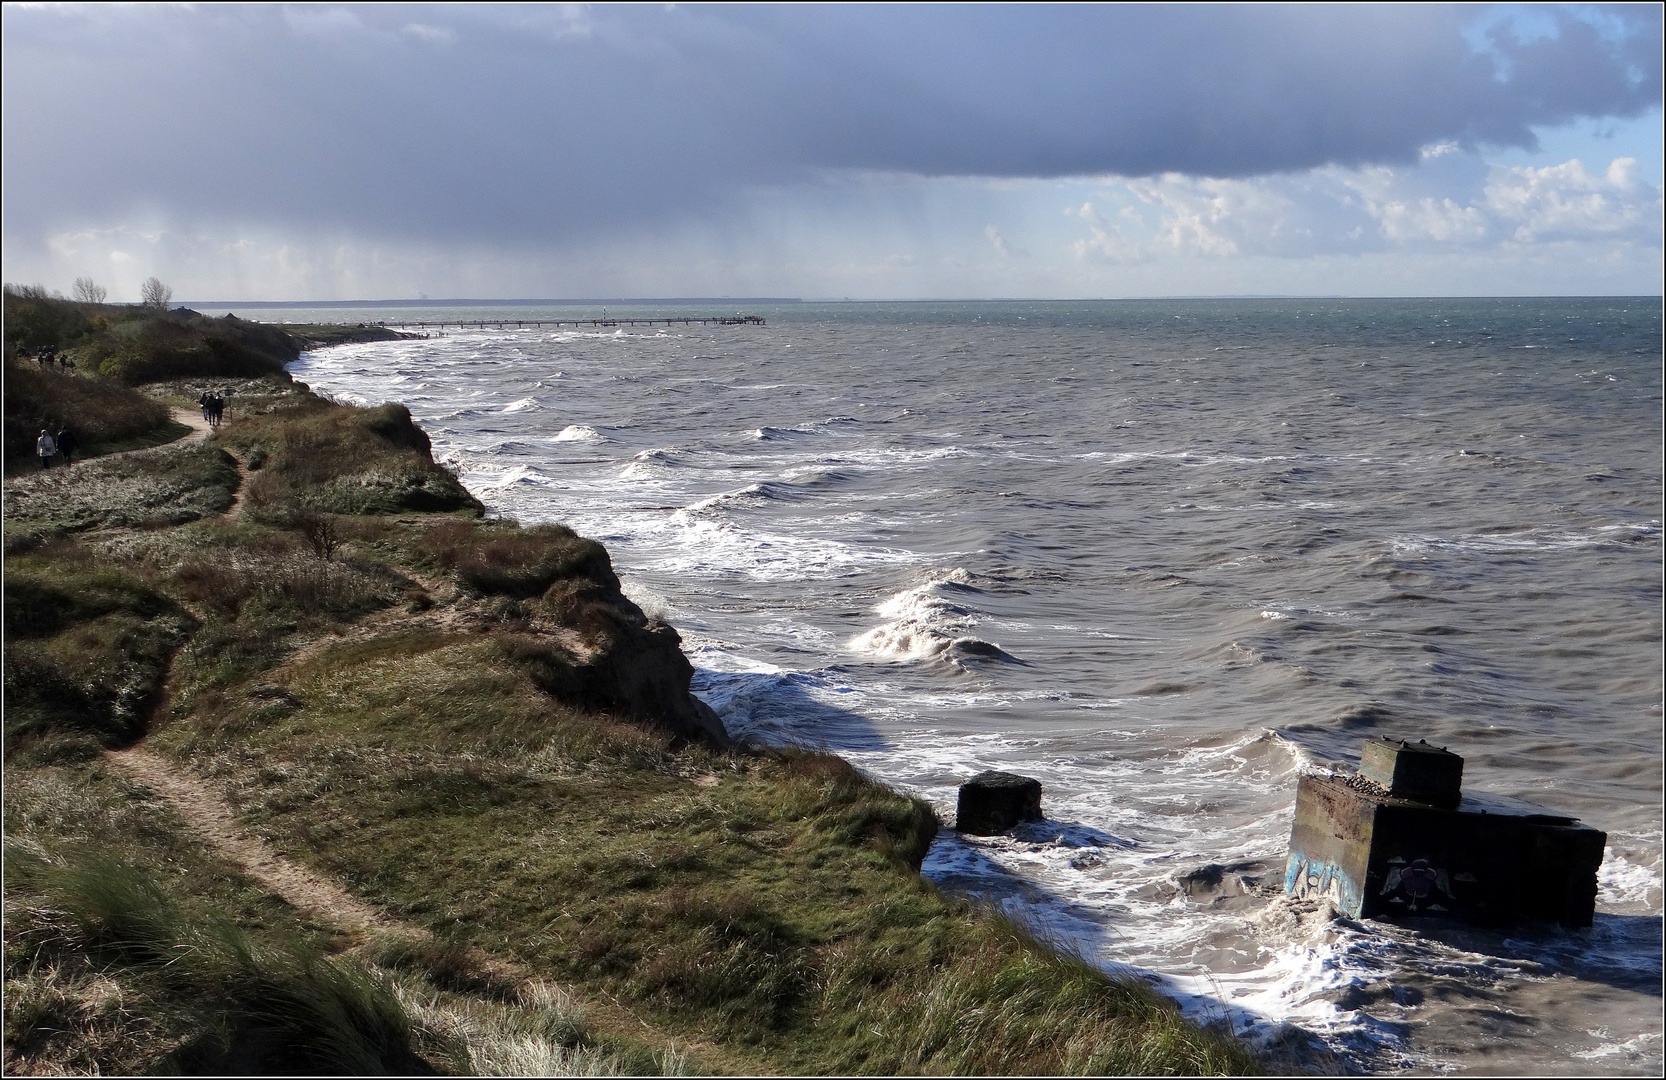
<point x="532" y="124"/>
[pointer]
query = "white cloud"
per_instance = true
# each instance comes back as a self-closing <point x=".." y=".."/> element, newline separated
<point x="1442" y="221"/>
<point x="1566" y="202"/>
<point x="1402" y="216"/>
<point x="1449" y="201"/>
<point x="438" y="35"/>
<point x="327" y="22"/>
<point x="1106" y="241"/>
<point x="996" y="239"/>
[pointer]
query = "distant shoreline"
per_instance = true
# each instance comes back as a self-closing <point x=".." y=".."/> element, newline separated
<point x="485" y="303"/>
<point x="738" y="300"/>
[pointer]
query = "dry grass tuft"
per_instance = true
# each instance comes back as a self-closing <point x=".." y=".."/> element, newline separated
<point x="343" y="460"/>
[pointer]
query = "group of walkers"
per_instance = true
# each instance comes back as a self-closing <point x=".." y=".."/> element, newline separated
<point x="47" y="357"/>
<point x="64" y="443"/>
<point x="213" y="407"/>
<point x="49" y="446"/>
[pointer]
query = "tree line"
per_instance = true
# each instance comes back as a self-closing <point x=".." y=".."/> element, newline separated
<point x="152" y="293"/>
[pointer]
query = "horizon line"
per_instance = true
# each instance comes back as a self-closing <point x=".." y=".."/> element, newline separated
<point x="682" y="300"/>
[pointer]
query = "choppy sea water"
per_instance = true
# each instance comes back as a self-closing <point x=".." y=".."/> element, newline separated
<point x="1163" y="556"/>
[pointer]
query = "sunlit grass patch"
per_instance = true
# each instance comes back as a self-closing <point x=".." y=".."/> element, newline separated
<point x="503" y="560"/>
<point x="422" y="690"/>
<point x="167" y="486"/>
<point x="272" y="1005"/>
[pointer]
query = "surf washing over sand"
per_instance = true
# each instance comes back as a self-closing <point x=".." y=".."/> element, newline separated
<point x="1162" y="556"/>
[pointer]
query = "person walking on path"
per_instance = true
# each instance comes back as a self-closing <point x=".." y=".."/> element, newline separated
<point x="206" y="400"/>
<point x="45" y="446"/>
<point x="67" y="445"/>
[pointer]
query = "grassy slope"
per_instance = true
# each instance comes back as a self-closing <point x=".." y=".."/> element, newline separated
<point x="436" y="718"/>
<point x="115" y="348"/>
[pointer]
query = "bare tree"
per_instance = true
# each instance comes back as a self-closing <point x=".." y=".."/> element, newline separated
<point x="322" y="531"/>
<point x="88" y="293"/>
<point x="154" y="294"/>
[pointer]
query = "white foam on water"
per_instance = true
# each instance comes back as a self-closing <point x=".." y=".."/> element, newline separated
<point x="1623" y="883"/>
<point x="692" y="544"/>
<point x="578" y="433"/>
<point x="924" y="623"/>
<point x="1644" y="1050"/>
<point x="1528" y="541"/>
<point x="486" y="476"/>
<point x="721" y="501"/>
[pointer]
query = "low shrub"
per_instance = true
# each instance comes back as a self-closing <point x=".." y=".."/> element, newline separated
<point x="504" y="560"/>
<point x="35" y="320"/>
<point x="228" y="582"/>
<point x="86" y="649"/>
<point x="181" y="343"/>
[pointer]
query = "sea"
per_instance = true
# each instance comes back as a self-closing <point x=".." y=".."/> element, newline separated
<point x="1164" y="556"/>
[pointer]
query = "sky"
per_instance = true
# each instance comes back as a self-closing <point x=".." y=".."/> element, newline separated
<point x="323" y="152"/>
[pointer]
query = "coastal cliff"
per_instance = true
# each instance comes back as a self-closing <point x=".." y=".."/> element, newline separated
<point x="311" y="767"/>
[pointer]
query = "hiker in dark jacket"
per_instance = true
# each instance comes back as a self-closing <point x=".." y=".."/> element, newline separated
<point x="67" y="445"/>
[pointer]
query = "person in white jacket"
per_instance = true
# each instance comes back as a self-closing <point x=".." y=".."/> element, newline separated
<point x="46" y="446"/>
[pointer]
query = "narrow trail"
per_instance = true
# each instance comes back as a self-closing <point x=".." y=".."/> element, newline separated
<point x="191" y="418"/>
<point x="208" y="815"/>
<point x="200" y="431"/>
<point x="213" y="819"/>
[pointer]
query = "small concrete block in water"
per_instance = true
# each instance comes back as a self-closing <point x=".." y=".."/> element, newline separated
<point x="1490" y="861"/>
<point x="993" y="802"/>
<point x="1430" y="774"/>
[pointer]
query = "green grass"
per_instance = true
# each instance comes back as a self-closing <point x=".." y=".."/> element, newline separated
<point x="87" y="645"/>
<point x="126" y="940"/>
<point x="131" y="948"/>
<point x="768" y="901"/>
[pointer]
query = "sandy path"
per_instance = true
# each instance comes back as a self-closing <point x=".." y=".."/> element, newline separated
<point x="191" y="418"/>
<point x="211" y="818"/>
<point x="208" y="815"/>
<point x="200" y="430"/>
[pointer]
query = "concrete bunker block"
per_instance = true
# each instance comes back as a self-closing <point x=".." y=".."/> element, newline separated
<point x="1491" y="860"/>
<point x="1418" y="771"/>
<point x="993" y="802"/>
